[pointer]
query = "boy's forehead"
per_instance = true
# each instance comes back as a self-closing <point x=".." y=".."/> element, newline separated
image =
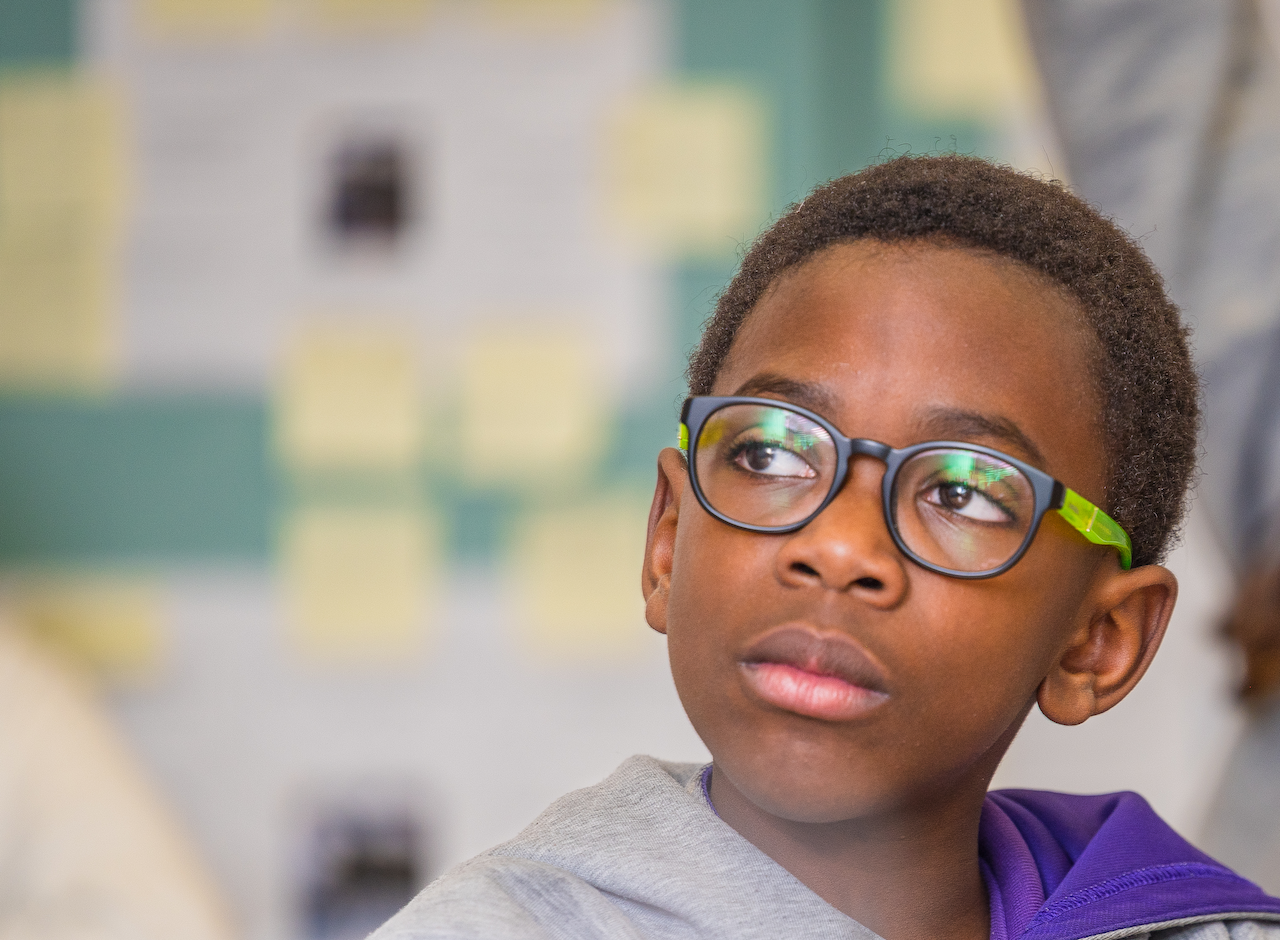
<point x="892" y="334"/>
<point x="901" y="276"/>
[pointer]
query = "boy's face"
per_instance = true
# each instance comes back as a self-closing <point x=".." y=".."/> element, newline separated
<point x="900" y="345"/>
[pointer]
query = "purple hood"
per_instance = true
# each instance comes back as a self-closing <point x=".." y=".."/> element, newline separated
<point x="1062" y="867"/>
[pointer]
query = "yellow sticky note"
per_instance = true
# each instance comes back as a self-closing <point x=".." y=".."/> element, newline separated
<point x="350" y="398"/>
<point x="965" y="59"/>
<point x="685" y="168"/>
<point x="577" y="577"/>
<point x="113" y="626"/>
<point x="61" y="203"/>
<point x="205" y="19"/>
<point x="59" y="323"/>
<point x="61" y="149"/>
<point x="367" y="15"/>
<point x="356" y="581"/>
<point x="533" y="411"/>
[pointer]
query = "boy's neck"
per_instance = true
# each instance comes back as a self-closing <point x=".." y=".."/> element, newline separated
<point x="908" y="875"/>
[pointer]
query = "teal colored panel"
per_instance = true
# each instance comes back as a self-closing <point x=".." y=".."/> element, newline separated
<point x="36" y="32"/>
<point x="697" y="287"/>
<point x="642" y="430"/>
<point x="477" y="523"/>
<point x="849" y="61"/>
<point x="136" y="479"/>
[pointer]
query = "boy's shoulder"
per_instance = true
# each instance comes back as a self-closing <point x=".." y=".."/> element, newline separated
<point x="639" y="855"/>
<point x="643" y="855"/>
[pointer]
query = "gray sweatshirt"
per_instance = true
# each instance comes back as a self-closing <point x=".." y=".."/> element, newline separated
<point x="642" y="855"/>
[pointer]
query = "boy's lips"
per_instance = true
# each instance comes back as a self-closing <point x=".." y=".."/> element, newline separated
<point x="819" y="675"/>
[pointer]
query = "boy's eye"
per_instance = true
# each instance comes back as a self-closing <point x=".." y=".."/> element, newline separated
<point x="772" y="460"/>
<point x="966" y="501"/>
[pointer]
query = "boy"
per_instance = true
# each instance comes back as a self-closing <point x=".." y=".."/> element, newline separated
<point x="941" y="429"/>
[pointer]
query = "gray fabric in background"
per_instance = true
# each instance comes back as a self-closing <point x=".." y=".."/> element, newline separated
<point x="1242" y="818"/>
<point x="1168" y="112"/>
<point x="1240" y="463"/>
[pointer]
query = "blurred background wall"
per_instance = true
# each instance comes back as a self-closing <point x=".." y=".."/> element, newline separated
<point x="337" y="342"/>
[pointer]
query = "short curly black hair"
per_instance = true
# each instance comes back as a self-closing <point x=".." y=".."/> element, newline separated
<point x="1144" y="376"/>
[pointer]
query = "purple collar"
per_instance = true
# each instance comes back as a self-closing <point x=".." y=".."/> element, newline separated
<point x="1063" y="867"/>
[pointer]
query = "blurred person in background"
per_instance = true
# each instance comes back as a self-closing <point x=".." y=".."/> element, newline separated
<point x="86" y="849"/>
<point x="1168" y="112"/>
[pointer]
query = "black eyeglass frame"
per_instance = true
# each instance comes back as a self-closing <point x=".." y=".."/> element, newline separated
<point x="1049" y="492"/>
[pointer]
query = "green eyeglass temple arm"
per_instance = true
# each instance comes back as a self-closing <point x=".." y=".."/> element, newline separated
<point x="1084" y="516"/>
<point x="1095" y="525"/>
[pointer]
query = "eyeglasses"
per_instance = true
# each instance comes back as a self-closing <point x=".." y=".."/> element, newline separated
<point x="954" y="508"/>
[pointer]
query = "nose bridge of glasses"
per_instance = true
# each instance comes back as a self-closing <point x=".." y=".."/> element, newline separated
<point x="861" y="447"/>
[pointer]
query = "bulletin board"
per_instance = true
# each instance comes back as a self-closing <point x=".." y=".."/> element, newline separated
<point x="338" y="339"/>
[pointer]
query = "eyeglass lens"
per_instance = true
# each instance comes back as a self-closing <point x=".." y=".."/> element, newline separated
<point x="954" y="508"/>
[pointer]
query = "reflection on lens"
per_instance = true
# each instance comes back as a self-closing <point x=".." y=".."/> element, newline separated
<point x="961" y="509"/>
<point x="764" y="465"/>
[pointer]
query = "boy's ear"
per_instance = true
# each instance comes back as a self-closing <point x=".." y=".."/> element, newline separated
<point x="1128" y="612"/>
<point x="660" y="545"/>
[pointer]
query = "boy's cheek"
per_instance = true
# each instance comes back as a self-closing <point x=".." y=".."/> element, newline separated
<point x="963" y="658"/>
<point x="717" y="569"/>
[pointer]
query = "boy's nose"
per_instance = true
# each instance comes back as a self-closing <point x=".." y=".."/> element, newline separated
<point x="848" y="548"/>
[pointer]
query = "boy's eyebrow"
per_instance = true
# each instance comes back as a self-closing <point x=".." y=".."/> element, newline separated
<point x="944" y="423"/>
<point x="955" y="423"/>
<point x="814" y="397"/>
